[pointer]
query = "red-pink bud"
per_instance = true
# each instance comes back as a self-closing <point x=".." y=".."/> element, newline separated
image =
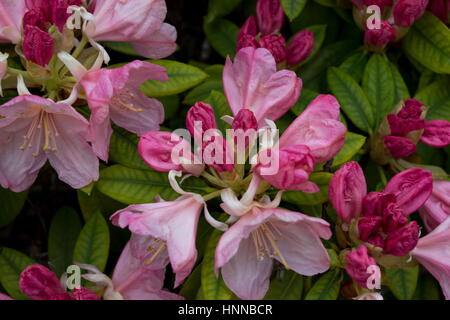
<point x="393" y="217"/>
<point x="358" y="263"/>
<point x="245" y="41"/>
<point x="276" y="45"/>
<point x="218" y="154"/>
<point x="245" y="120"/>
<point x="84" y="294"/>
<point x="399" y="147"/>
<point x="408" y="11"/>
<point x="440" y="8"/>
<point x="247" y="35"/>
<point x="412" y="188"/>
<point x="34" y="18"/>
<point x="270" y="16"/>
<point x="347" y="190"/>
<point x="249" y="27"/>
<point x="37" y="46"/>
<point x="401" y="127"/>
<point x="368" y="227"/>
<point x="201" y="115"/>
<point x="403" y="240"/>
<point x="412" y="109"/>
<point x="39" y="283"/>
<point x="380" y="37"/>
<point x="300" y="47"/>
<point x="436" y="133"/>
<point x="375" y="203"/>
<point x="59" y="14"/>
<point x="380" y="3"/>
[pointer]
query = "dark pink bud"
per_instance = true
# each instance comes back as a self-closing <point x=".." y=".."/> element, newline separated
<point x="436" y="133"/>
<point x="412" y="109"/>
<point x="393" y="217"/>
<point x="270" y="16"/>
<point x="246" y="37"/>
<point x="37" y="46"/>
<point x="74" y="2"/>
<point x="300" y="47"/>
<point x="380" y="37"/>
<point x="368" y="227"/>
<point x="381" y="3"/>
<point x="245" y="41"/>
<point x="39" y="283"/>
<point x="440" y="8"/>
<point x="276" y="45"/>
<point x="250" y="28"/>
<point x="403" y="240"/>
<point x="245" y="120"/>
<point x="34" y="18"/>
<point x="347" y="190"/>
<point x="401" y="127"/>
<point x="408" y="11"/>
<point x="412" y="188"/>
<point x="84" y="294"/>
<point x="59" y="14"/>
<point x="358" y="263"/>
<point x="218" y="154"/>
<point x="200" y="115"/>
<point x="376" y="240"/>
<point x="399" y="147"/>
<point x="375" y="203"/>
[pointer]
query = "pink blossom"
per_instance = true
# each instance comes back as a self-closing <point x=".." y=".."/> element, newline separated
<point x="300" y="47"/>
<point x="35" y="129"/>
<point x="203" y="114"/>
<point x="252" y="82"/>
<point x="437" y="208"/>
<point x="401" y="241"/>
<point x="408" y="11"/>
<point x="11" y="14"/>
<point x="270" y="16"/>
<point x="399" y="147"/>
<point x="246" y="251"/>
<point x="139" y="22"/>
<point x="173" y="224"/>
<point x="436" y="133"/>
<point x="247" y="34"/>
<point x="275" y="44"/>
<point x="218" y="153"/>
<point x="433" y="253"/>
<point x="37" y="46"/>
<point x="380" y="37"/>
<point x="347" y="189"/>
<point x="358" y="263"/>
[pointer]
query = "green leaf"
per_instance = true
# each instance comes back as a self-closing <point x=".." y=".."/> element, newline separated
<point x="122" y="47"/>
<point x="12" y="263"/>
<point x="92" y="246"/>
<point x="202" y="92"/>
<point x="288" y="287"/>
<point x="400" y="89"/>
<point x="428" y="42"/>
<point x="182" y="77"/>
<point x="132" y="186"/>
<point x="327" y="287"/>
<point x="123" y="149"/>
<point x="352" y="99"/>
<point x="379" y="85"/>
<point x="63" y="235"/>
<point x="221" y="108"/>
<point x="171" y="105"/>
<point x="192" y="284"/>
<point x="355" y="65"/>
<point x="402" y="282"/>
<point x="220" y="8"/>
<point x="97" y="202"/>
<point x="437" y="97"/>
<point x="213" y="288"/>
<point x="301" y="198"/>
<point x="353" y="143"/>
<point x="11" y="205"/>
<point x="293" y="8"/>
<point x="305" y="99"/>
<point x="427" y="288"/>
<point x="222" y="35"/>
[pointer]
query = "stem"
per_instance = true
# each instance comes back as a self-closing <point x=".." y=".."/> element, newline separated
<point x="211" y="195"/>
<point x="79" y="49"/>
<point x="382" y="175"/>
<point x="212" y="179"/>
<point x="19" y="72"/>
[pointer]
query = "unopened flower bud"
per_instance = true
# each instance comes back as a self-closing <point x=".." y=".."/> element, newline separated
<point x="276" y="45"/>
<point x="375" y="203"/>
<point x="408" y="11"/>
<point x="245" y="120"/>
<point x="37" y="46"/>
<point x="34" y="18"/>
<point x="440" y="8"/>
<point x="393" y="217"/>
<point x="358" y="263"/>
<point x="378" y="38"/>
<point x="368" y="227"/>
<point x="270" y="16"/>
<point x="380" y="3"/>
<point x="200" y="115"/>
<point x="399" y="147"/>
<point x="247" y="34"/>
<point x="300" y="47"/>
<point x="401" y="241"/>
<point x="39" y="283"/>
<point x="218" y="154"/>
<point x="436" y="133"/>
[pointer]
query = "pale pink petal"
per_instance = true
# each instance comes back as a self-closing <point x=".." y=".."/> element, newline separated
<point x="325" y="106"/>
<point x="5" y="297"/>
<point x="11" y="14"/>
<point x="159" y="45"/>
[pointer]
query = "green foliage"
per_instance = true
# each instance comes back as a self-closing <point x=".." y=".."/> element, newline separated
<point x="12" y="263"/>
<point x="403" y="282"/>
<point x="327" y="287"/>
<point x="293" y="8"/>
<point x="11" y="205"/>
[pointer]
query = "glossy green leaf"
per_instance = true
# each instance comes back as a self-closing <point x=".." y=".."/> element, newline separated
<point x="437" y="97"/>
<point x="123" y="149"/>
<point x="355" y="65"/>
<point x="293" y="8"/>
<point x="402" y="282"/>
<point x="62" y="237"/>
<point x="286" y="286"/>
<point x="220" y="8"/>
<point x="92" y="246"/>
<point x="221" y="108"/>
<point x="353" y="144"/>
<point x="352" y="99"/>
<point x="122" y="47"/>
<point x="427" y="288"/>
<point x="326" y="287"/>
<point x="182" y="77"/>
<point x="428" y="42"/>
<point x="301" y="198"/>
<point x="401" y="91"/>
<point x="11" y="205"/>
<point x="222" y="35"/>
<point x="12" y="263"/>
<point x="202" y="92"/>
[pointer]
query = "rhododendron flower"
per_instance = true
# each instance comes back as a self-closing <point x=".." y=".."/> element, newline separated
<point x="440" y="8"/>
<point x="270" y="16"/>
<point x="316" y="136"/>
<point x="11" y="14"/>
<point x="37" y="46"/>
<point x="437" y="208"/>
<point x="35" y="129"/>
<point x="264" y="233"/>
<point x="378" y="38"/>
<point x="358" y="263"/>
<point x="408" y="11"/>
<point x="252" y="82"/>
<point x="114" y="94"/>
<point x="300" y="47"/>
<point x="139" y="22"/>
<point x="433" y="252"/>
<point x="39" y="283"/>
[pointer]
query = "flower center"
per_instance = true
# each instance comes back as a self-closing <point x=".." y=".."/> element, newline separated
<point x="265" y="239"/>
<point x="123" y="99"/>
<point x="155" y="248"/>
<point x="42" y="125"/>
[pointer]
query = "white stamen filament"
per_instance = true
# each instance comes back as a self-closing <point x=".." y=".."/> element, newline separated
<point x="123" y="100"/>
<point x="41" y="124"/>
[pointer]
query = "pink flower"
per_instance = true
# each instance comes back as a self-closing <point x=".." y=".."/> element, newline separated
<point x="300" y="47"/>
<point x="37" y="46"/>
<point x="173" y="224"/>
<point x="347" y="190"/>
<point x="246" y="251"/>
<point x="157" y="149"/>
<point x="247" y="34"/>
<point x="437" y="208"/>
<point x="39" y="283"/>
<point x="252" y="82"/>
<point x="380" y="37"/>
<point x="276" y="45"/>
<point x="401" y="241"/>
<point x="270" y="16"/>
<point x="35" y="129"/>
<point x="399" y="147"/>
<point x="358" y="263"/>
<point x="321" y="135"/>
<point x="114" y="94"/>
<point x="433" y="252"/>
<point x="139" y="22"/>
<point x="218" y="153"/>
<point x="11" y="14"/>
<point x="436" y="133"/>
<point x="408" y="11"/>
<point x="203" y="114"/>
